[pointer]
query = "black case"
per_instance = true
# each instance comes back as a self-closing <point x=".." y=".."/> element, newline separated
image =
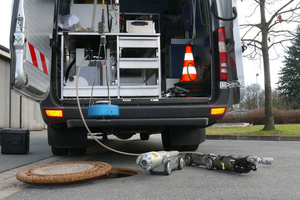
<point x="14" y="141"/>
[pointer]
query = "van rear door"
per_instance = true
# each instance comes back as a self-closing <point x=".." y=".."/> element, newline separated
<point x="31" y="31"/>
<point x="226" y="11"/>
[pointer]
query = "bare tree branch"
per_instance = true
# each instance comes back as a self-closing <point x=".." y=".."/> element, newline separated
<point x="254" y="45"/>
<point x="250" y="25"/>
<point x="254" y="38"/>
<point x="293" y="18"/>
<point x="278" y="11"/>
<point x="252" y="42"/>
<point x="290" y="10"/>
<point x="257" y="6"/>
<point x="280" y="42"/>
<point x="283" y="47"/>
<point x="285" y="33"/>
<point x="248" y="32"/>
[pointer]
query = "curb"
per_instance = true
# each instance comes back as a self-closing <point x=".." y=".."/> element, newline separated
<point x="253" y="137"/>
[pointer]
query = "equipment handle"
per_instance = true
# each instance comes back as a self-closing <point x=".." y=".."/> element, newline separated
<point x="214" y="11"/>
<point x="141" y="23"/>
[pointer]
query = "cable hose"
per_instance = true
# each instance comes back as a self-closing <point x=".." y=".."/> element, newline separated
<point x="199" y="72"/>
<point x="68" y="69"/>
<point x="85" y="124"/>
<point x="99" y="51"/>
<point x="89" y="131"/>
<point x="190" y="63"/>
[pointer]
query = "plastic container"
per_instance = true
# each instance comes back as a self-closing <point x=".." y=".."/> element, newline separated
<point x="103" y="111"/>
<point x="14" y="141"/>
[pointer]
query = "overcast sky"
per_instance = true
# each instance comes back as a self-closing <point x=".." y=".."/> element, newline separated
<point x="251" y="68"/>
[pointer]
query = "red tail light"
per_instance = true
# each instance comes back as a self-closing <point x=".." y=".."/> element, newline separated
<point x="223" y="55"/>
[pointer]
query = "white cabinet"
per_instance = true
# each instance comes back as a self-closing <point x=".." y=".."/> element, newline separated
<point x="133" y="62"/>
<point x="138" y="61"/>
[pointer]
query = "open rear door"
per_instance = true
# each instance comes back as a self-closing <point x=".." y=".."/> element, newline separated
<point x="31" y="31"/>
<point x="228" y="18"/>
<point x="235" y="64"/>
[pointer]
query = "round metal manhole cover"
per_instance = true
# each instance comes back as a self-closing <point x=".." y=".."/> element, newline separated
<point x="60" y="173"/>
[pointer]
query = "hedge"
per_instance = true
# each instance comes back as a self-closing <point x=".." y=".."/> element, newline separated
<point x="257" y="116"/>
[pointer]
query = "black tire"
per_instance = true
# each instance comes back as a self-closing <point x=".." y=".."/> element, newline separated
<point x="144" y="136"/>
<point x="167" y="168"/>
<point x="59" y="151"/>
<point x="188" y="160"/>
<point x="166" y="141"/>
<point x="124" y="136"/>
<point x="190" y="147"/>
<point x="77" y="151"/>
<point x="209" y="163"/>
<point x="180" y="163"/>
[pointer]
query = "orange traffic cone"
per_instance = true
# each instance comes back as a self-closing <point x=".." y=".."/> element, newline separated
<point x="189" y="72"/>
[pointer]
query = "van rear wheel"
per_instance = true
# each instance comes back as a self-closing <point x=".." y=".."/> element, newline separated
<point x="166" y="141"/>
<point x="182" y="138"/>
<point x="189" y="147"/>
<point x="59" y="151"/>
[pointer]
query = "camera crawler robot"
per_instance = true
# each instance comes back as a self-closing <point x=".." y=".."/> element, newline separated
<point x="237" y="164"/>
<point x="160" y="161"/>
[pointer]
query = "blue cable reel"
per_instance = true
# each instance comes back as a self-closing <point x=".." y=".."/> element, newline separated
<point x="103" y="109"/>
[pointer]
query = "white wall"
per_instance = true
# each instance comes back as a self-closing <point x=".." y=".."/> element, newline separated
<point x="30" y="117"/>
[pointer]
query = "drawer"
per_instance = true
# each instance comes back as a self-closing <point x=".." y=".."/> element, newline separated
<point x="139" y="63"/>
<point x="135" y="42"/>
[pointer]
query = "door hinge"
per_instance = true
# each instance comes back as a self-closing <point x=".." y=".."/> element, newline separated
<point x="53" y="43"/>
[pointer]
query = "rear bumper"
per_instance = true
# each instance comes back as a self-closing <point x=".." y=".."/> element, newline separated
<point x="139" y="113"/>
<point x="78" y="123"/>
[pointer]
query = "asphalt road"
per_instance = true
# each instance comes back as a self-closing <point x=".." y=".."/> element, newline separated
<point x="279" y="181"/>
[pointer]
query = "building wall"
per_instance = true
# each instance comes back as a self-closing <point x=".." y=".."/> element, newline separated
<point x="24" y="112"/>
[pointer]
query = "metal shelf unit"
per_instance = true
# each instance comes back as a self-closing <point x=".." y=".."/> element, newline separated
<point x="142" y="76"/>
<point x="139" y="86"/>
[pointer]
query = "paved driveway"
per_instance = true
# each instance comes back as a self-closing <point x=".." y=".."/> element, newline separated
<point x="279" y="181"/>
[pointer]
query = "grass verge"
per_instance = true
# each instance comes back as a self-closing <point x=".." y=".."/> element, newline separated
<point x="281" y="130"/>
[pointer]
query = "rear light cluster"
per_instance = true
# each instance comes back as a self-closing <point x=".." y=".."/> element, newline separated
<point x="223" y="55"/>
<point x="217" y="111"/>
<point x="54" y="113"/>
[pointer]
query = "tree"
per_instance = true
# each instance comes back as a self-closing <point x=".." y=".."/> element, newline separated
<point x="267" y="36"/>
<point x="289" y="76"/>
<point x="278" y="101"/>
<point x="250" y="99"/>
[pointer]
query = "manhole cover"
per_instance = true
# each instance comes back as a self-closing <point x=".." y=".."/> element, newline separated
<point x="120" y="173"/>
<point x="68" y="172"/>
<point x="63" y="169"/>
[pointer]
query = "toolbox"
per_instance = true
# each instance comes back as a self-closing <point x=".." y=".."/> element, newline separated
<point x="14" y="141"/>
